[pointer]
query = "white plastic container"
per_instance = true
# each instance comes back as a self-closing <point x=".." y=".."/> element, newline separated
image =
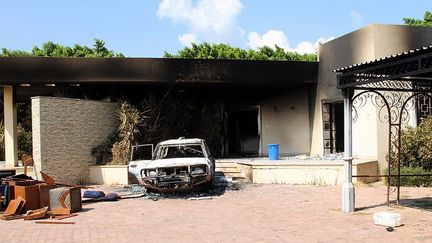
<point x="388" y="219"/>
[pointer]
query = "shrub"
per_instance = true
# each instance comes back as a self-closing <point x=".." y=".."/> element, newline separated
<point x="24" y="141"/>
<point x="416" y="146"/>
<point x="411" y="181"/>
<point x="130" y="119"/>
<point x="156" y="118"/>
<point x="103" y="152"/>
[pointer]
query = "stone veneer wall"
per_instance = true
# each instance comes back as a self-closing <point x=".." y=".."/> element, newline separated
<point x="64" y="133"/>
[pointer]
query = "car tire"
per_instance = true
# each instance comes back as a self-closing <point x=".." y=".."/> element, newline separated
<point x="210" y="184"/>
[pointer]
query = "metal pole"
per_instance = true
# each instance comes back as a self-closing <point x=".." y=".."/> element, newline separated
<point x="348" y="192"/>
<point x="389" y="161"/>
<point x="399" y="159"/>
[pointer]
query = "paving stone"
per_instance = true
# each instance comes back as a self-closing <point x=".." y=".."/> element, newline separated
<point x="265" y="213"/>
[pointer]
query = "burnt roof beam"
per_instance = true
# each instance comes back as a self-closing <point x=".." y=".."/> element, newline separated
<point x="46" y="70"/>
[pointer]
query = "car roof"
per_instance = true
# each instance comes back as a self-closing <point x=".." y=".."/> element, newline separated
<point x="182" y="141"/>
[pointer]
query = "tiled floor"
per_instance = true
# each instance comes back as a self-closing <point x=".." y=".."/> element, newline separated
<point x="256" y="213"/>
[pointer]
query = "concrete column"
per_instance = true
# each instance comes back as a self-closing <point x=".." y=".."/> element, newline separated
<point x="10" y="124"/>
<point x="348" y="192"/>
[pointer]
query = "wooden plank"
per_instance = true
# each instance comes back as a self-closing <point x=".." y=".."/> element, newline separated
<point x="60" y="211"/>
<point x="23" y="182"/>
<point x="30" y="194"/>
<point x="54" y="222"/>
<point x="36" y="214"/>
<point x="15" y="206"/>
<point x="65" y="216"/>
<point x="10" y="217"/>
<point x="48" y="179"/>
<point x="44" y="194"/>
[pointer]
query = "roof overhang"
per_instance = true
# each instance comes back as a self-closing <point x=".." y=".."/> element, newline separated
<point x="51" y="70"/>
<point x="407" y="71"/>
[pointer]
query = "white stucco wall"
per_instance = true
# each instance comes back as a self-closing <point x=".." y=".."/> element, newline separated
<point x="285" y="121"/>
<point x="370" y="136"/>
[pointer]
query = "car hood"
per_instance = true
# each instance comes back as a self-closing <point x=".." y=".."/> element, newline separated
<point x="176" y="162"/>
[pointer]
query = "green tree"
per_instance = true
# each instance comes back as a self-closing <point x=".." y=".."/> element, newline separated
<point x="426" y="21"/>
<point x="51" y="49"/>
<point x="48" y="49"/>
<point x="223" y="51"/>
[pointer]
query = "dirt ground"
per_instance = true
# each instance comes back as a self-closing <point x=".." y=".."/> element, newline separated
<point x="254" y="213"/>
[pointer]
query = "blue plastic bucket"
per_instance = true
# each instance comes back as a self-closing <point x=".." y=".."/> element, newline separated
<point x="273" y="151"/>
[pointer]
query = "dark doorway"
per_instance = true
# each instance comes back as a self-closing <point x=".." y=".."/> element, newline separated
<point x="333" y="127"/>
<point x="243" y="132"/>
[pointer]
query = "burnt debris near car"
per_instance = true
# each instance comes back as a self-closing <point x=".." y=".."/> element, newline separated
<point x="176" y="165"/>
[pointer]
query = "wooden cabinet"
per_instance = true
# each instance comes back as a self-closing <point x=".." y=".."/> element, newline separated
<point x="30" y="194"/>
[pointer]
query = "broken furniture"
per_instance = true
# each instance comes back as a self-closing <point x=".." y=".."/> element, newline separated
<point x="54" y="222"/>
<point x="27" y="160"/>
<point x="66" y="198"/>
<point x="15" y="206"/>
<point x="6" y="173"/>
<point x="14" y="209"/>
<point x="61" y="217"/>
<point x="4" y="195"/>
<point x="10" y="217"/>
<point x="30" y="194"/>
<point x="36" y="214"/>
<point x="4" y="188"/>
<point x="44" y="194"/>
<point x="48" y="179"/>
<point x="34" y="198"/>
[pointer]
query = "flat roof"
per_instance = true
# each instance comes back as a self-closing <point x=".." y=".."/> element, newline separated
<point x="47" y="70"/>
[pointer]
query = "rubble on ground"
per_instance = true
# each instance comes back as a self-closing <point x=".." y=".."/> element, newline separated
<point x="22" y="197"/>
<point x="49" y="202"/>
<point x="221" y="185"/>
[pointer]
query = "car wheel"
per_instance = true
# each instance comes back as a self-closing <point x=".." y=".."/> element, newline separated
<point x="210" y="184"/>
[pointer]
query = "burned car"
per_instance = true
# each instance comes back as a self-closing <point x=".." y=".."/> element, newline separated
<point x="177" y="164"/>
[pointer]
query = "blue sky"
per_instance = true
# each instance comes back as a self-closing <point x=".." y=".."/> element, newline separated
<point x="147" y="28"/>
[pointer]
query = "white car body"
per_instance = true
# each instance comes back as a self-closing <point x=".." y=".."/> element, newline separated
<point x="177" y="164"/>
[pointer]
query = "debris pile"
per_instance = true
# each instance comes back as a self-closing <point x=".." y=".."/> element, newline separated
<point x="221" y="185"/>
<point x="22" y="197"/>
<point x="49" y="202"/>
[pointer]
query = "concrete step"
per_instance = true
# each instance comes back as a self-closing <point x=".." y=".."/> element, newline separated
<point x="229" y="170"/>
<point x="234" y="176"/>
<point x="226" y="164"/>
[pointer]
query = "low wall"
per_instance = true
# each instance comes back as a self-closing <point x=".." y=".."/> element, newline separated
<point x="109" y="174"/>
<point x="64" y="133"/>
<point x="305" y="173"/>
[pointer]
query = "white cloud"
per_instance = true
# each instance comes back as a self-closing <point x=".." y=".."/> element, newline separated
<point x="271" y="38"/>
<point x="187" y="39"/>
<point x="356" y="18"/>
<point x="276" y="37"/>
<point x="305" y="47"/>
<point x="212" y="20"/>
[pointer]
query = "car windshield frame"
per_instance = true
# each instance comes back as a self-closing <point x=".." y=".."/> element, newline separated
<point x="161" y="151"/>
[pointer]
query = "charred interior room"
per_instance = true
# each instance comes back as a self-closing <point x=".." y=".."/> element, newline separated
<point x="237" y="106"/>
